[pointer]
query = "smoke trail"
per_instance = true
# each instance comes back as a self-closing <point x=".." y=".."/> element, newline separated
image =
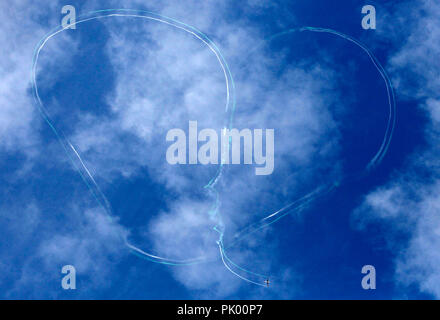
<point x="230" y="105"/>
<point x="320" y="191"/>
<point x="74" y="155"/>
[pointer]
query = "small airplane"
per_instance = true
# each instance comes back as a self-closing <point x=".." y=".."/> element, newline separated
<point x="267" y="282"/>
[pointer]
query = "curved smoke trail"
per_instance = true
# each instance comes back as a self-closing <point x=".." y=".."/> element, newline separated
<point x="302" y="202"/>
<point x="74" y="155"/>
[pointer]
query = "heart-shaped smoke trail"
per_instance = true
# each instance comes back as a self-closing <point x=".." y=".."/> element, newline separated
<point x="214" y="213"/>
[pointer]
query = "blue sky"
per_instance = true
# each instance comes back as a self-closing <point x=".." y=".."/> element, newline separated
<point x="115" y="86"/>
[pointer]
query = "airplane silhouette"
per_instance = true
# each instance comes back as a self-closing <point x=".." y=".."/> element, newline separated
<point x="267" y="282"/>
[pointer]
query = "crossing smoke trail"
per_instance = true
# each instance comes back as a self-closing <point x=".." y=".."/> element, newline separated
<point x="230" y="105"/>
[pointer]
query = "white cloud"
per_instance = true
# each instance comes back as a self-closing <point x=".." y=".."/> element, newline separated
<point x="86" y="239"/>
<point x="89" y="245"/>
<point x="415" y="63"/>
<point x="21" y="30"/>
<point x="409" y="202"/>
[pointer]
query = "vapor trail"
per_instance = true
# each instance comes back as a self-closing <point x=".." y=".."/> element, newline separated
<point x="74" y="155"/>
<point x="322" y="190"/>
<point x="230" y="106"/>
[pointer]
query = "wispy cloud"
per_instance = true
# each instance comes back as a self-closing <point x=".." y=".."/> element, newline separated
<point x="409" y="201"/>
